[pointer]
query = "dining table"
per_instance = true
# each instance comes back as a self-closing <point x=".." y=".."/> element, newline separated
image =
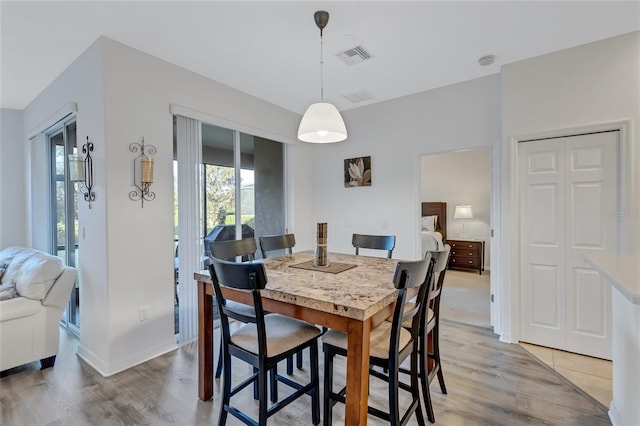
<point x="352" y="294"/>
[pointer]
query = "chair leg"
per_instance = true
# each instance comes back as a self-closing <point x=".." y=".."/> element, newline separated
<point x="262" y="396"/>
<point x="415" y="387"/>
<point x="226" y="390"/>
<point x="219" y="367"/>
<point x="424" y="378"/>
<point x="315" y="393"/>
<point x="436" y="356"/>
<point x="328" y="386"/>
<point x="299" y="360"/>
<point x="274" y="384"/>
<point x="394" y="417"/>
<point x="290" y="365"/>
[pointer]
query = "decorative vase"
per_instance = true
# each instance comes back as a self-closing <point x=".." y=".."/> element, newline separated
<point x="321" y="253"/>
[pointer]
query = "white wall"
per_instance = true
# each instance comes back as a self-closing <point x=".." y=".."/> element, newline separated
<point x="580" y="87"/>
<point x="127" y="258"/>
<point x="396" y="134"/>
<point x="461" y="177"/>
<point x="12" y="179"/>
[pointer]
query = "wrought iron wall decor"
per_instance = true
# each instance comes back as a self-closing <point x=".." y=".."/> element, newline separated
<point x="142" y="172"/>
<point x="81" y="172"/>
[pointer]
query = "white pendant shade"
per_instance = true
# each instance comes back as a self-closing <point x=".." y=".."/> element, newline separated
<point x="322" y="123"/>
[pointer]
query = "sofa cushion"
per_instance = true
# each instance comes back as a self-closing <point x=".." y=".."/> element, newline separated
<point x="8" y="290"/>
<point x="34" y="272"/>
<point x="19" y="307"/>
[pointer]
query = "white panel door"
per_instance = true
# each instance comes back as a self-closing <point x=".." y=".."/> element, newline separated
<point x="591" y="190"/>
<point x="542" y="197"/>
<point x="566" y="187"/>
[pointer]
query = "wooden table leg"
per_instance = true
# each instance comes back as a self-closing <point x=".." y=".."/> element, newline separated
<point x="357" y="372"/>
<point x="205" y="343"/>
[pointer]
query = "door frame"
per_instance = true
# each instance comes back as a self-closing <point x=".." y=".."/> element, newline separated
<point x="510" y="211"/>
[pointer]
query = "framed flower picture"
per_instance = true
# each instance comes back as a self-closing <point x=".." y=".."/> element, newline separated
<point x="357" y="172"/>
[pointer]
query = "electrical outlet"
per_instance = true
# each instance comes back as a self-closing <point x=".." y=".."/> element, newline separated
<point x="142" y="313"/>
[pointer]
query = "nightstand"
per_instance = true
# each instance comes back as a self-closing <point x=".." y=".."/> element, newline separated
<point x="467" y="254"/>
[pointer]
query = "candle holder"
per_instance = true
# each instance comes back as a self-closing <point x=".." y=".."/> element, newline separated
<point x="321" y="253"/>
<point x="142" y="172"/>
<point x="81" y="172"/>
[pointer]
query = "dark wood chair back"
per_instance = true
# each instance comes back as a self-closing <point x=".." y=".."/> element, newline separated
<point x="277" y="242"/>
<point x="376" y="242"/>
<point x="439" y="269"/>
<point x="243" y="276"/>
<point x="409" y="275"/>
<point x="229" y="250"/>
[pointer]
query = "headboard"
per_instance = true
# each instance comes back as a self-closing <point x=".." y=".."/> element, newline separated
<point x="437" y="208"/>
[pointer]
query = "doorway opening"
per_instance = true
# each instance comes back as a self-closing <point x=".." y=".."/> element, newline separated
<point x="464" y="178"/>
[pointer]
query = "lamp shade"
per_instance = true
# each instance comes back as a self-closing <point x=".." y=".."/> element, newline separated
<point x="463" y="212"/>
<point x="322" y="123"/>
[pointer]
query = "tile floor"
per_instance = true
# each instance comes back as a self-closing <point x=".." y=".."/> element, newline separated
<point x="591" y="375"/>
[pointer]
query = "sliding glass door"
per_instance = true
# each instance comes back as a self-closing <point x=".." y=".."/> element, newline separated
<point x="232" y="187"/>
<point x="243" y="186"/>
<point x="64" y="212"/>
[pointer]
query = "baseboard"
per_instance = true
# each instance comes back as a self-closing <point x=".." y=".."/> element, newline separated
<point x="614" y="416"/>
<point x="106" y="369"/>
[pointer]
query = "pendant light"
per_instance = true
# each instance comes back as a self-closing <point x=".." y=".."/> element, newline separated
<point x="321" y="122"/>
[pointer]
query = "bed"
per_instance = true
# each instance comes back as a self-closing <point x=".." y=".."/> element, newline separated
<point x="433" y="225"/>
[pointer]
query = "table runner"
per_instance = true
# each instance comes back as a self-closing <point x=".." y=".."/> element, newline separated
<point x="333" y="268"/>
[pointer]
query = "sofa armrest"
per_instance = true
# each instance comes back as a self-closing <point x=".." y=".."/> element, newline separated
<point x="60" y="291"/>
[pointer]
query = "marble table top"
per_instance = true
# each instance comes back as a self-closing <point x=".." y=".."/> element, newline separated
<point x="357" y="293"/>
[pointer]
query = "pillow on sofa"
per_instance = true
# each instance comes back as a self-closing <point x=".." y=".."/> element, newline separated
<point x="6" y="256"/>
<point x="34" y="272"/>
<point x="3" y="269"/>
<point x="8" y="290"/>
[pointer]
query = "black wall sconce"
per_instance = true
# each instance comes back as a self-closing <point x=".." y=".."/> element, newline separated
<point x="142" y="172"/>
<point x="81" y="172"/>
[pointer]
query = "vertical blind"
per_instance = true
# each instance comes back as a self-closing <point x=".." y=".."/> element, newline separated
<point x="190" y="250"/>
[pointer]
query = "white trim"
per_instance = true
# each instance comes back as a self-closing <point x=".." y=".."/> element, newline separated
<point x="511" y="210"/>
<point x="204" y="117"/>
<point x="495" y="237"/>
<point x="59" y="115"/>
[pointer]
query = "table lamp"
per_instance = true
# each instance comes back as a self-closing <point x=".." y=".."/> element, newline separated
<point x="463" y="212"/>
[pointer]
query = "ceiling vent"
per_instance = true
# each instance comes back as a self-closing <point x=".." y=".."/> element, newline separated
<point x="358" y="97"/>
<point x="355" y="55"/>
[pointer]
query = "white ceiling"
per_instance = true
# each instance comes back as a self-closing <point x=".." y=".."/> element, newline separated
<point x="271" y="49"/>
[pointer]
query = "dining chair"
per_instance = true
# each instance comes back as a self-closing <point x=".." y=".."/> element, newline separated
<point x="429" y="341"/>
<point x="270" y="243"/>
<point x="430" y="335"/>
<point x="262" y="342"/>
<point x="376" y="242"/>
<point x="391" y="344"/>
<point x="245" y="249"/>
<point x="230" y="250"/>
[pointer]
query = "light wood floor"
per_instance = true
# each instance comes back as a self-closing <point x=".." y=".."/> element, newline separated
<point x="489" y="383"/>
<point x="465" y="299"/>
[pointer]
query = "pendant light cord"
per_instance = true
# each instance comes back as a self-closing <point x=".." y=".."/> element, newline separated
<point x="321" y="70"/>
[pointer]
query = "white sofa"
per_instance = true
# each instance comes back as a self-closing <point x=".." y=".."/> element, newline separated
<point x="29" y="321"/>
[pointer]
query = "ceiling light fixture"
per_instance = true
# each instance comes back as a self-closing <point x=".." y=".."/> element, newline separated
<point x="321" y="122"/>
